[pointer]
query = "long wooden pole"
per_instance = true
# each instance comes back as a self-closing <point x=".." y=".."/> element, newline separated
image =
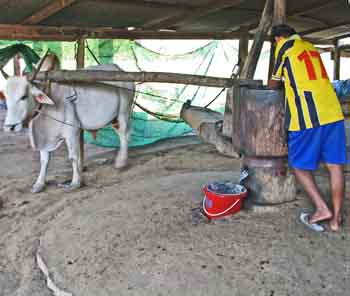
<point x="80" y="64"/>
<point x="91" y="76"/>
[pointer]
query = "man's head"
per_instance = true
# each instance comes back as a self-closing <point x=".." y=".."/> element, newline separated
<point x="279" y="32"/>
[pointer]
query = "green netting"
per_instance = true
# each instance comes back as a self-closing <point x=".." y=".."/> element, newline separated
<point x="165" y="99"/>
<point x="212" y="58"/>
<point x="143" y="132"/>
<point x="29" y="55"/>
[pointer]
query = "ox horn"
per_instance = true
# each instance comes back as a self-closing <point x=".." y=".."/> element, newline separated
<point x="36" y="70"/>
<point x="6" y="76"/>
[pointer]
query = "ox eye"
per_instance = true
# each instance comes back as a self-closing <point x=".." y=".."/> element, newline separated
<point x="23" y="98"/>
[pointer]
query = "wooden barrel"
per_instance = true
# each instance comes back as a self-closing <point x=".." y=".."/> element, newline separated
<point x="258" y="122"/>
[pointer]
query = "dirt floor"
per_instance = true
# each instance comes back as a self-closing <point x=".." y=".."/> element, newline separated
<point x="140" y="231"/>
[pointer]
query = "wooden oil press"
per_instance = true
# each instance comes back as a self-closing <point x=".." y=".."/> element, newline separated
<point x="259" y="136"/>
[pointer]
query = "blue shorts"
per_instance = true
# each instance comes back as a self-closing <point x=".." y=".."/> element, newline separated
<point x="326" y="143"/>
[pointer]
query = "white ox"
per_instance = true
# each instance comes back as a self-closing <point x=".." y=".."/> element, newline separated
<point x="64" y="109"/>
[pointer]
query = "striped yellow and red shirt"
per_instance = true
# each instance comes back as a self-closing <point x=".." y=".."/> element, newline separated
<point x="311" y="98"/>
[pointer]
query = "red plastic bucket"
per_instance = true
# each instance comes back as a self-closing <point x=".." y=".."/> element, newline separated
<point x="216" y="205"/>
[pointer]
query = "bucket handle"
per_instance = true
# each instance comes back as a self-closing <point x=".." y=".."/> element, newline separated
<point x="218" y="214"/>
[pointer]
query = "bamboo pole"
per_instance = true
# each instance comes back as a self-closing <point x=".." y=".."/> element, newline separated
<point x="91" y="76"/>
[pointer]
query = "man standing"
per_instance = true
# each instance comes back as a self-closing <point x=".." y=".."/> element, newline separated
<point x="315" y="122"/>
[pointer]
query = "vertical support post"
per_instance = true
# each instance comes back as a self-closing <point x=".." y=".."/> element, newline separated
<point x="336" y="61"/>
<point x="271" y="59"/>
<point x="80" y="64"/>
<point x="279" y="17"/>
<point x="16" y="65"/>
<point x="279" y="12"/>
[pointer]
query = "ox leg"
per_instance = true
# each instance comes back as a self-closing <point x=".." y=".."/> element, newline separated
<point x="121" y="128"/>
<point x="40" y="182"/>
<point x="74" y="156"/>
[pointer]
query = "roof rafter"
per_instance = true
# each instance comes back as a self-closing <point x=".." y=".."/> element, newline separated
<point x="70" y="33"/>
<point x="47" y="11"/>
<point x="335" y="31"/>
<point x="179" y="18"/>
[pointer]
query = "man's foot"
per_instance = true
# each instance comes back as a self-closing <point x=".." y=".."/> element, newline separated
<point x="321" y="215"/>
<point x="334" y="224"/>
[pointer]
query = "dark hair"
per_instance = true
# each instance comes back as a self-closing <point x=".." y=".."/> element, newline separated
<point x="282" y="31"/>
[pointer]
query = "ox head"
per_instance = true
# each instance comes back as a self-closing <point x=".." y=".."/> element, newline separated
<point x="22" y="98"/>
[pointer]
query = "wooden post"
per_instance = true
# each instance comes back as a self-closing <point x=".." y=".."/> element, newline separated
<point x="336" y="61"/>
<point x="243" y="50"/>
<point x="80" y="64"/>
<point x="279" y="14"/>
<point x="279" y="17"/>
<point x="16" y="65"/>
<point x="249" y="66"/>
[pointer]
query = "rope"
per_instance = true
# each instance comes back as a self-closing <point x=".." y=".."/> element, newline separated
<point x="170" y="118"/>
<point x="92" y="54"/>
<point x="234" y="75"/>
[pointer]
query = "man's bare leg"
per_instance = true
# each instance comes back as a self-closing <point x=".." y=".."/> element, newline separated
<point x="306" y="179"/>
<point x="337" y="188"/>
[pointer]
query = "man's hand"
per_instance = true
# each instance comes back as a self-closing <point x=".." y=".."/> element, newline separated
<point x="275" y="84"/>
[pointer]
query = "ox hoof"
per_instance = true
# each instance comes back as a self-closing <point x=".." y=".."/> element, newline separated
<point x="120" y="165"/>
<point x="37" y="188"/>
<point x="69" y="186"/>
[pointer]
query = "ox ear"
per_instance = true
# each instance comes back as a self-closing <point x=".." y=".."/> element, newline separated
<point x="40" y="96"/>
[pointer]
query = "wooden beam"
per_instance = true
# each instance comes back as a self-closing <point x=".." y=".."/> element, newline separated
<point x="279" y="12"/>
<point x="332" y="32"/>
<point x="183" y="17"/>
<point x="71" y="33"/>
<point x="312" y="8"/>
<point x="47" y="11"/>
<point x="254" y="53"/>
<point x="252" y="23"/>
<point x="308" y="21"/>
<point x="91" y="76"/>
<point x="344" y="50"/>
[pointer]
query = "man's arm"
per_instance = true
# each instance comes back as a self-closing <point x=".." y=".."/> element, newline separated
<point x="275" y="84"/>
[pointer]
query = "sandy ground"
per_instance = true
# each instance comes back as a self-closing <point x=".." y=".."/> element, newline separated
<point x="140" y="231"/>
